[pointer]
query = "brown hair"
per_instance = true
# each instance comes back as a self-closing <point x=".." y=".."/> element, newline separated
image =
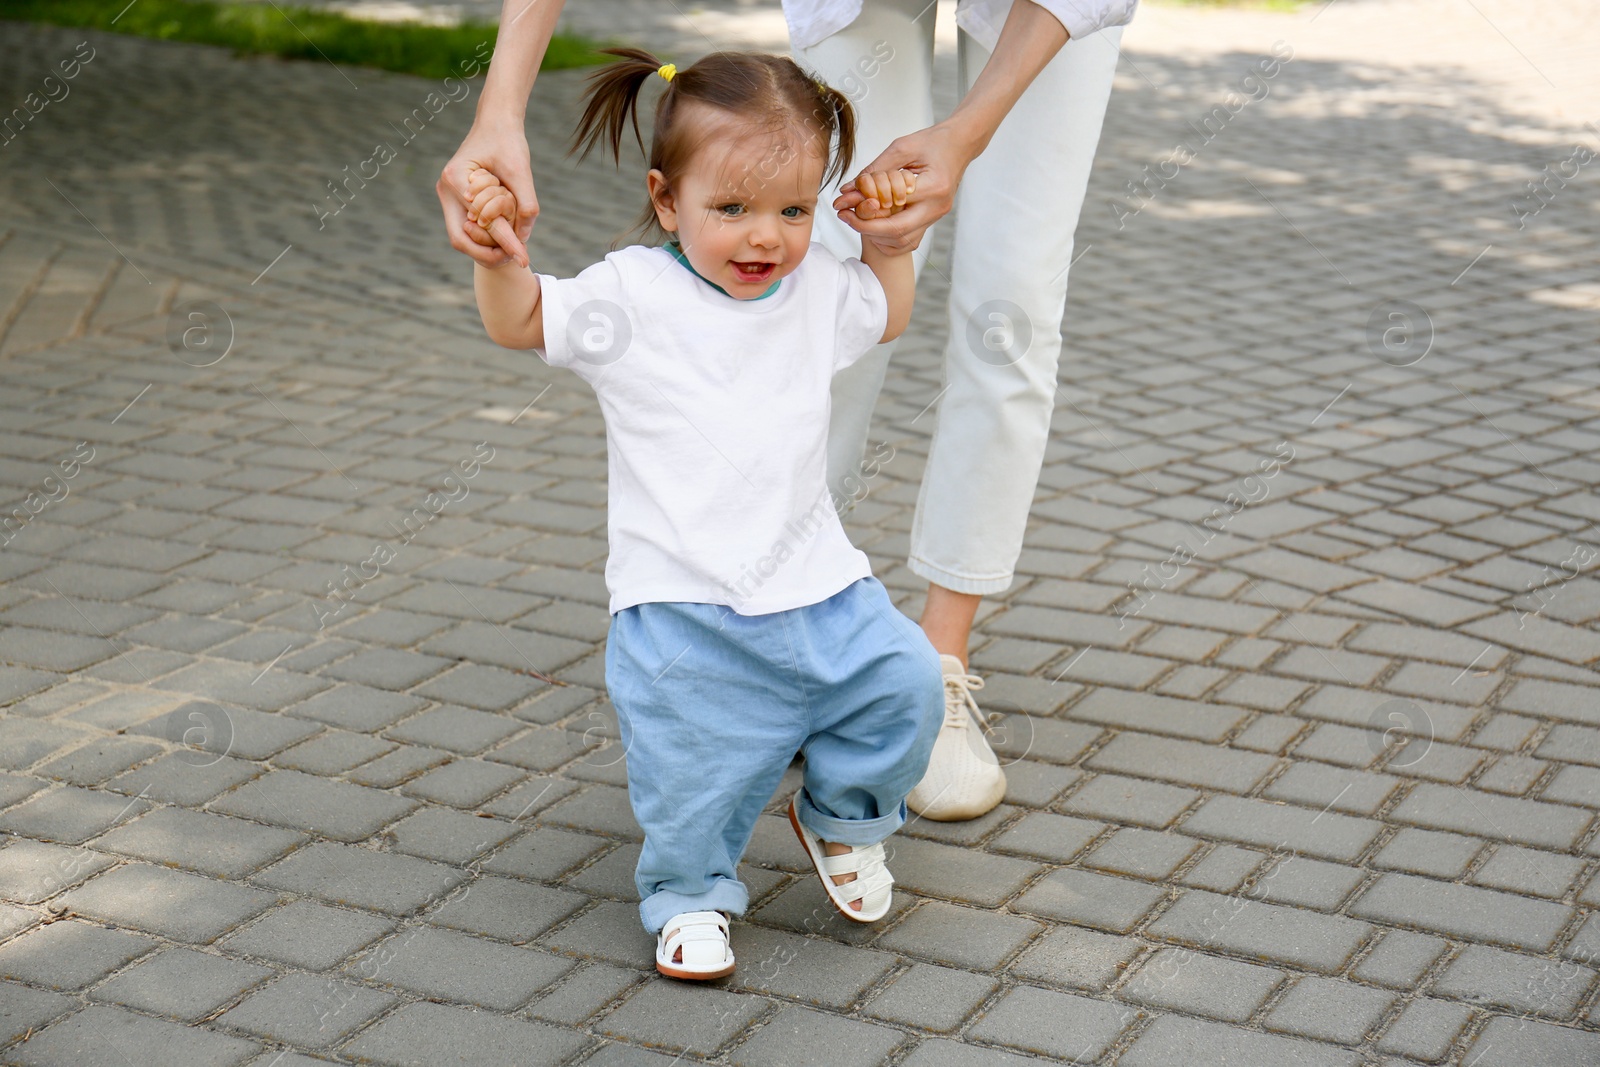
<point x="770" y="91"/>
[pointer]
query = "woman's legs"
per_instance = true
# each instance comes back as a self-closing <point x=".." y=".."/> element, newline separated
<point x="1016" y="210"/>
<point x="883" y="61"/>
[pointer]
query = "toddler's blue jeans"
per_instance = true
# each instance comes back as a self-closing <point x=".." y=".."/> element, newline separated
<point x="713" y="706"/>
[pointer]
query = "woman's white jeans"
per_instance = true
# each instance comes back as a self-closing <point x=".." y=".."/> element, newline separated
<point x="1016" y="210"/>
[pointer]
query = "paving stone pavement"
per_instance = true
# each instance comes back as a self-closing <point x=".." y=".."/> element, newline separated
<point x="299" y="767"/>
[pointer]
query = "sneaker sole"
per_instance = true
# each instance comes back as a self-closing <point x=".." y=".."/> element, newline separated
<point x="962" y="814"/>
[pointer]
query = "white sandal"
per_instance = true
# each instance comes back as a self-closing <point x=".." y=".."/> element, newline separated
<point x="873" y="886"/>
<point x="703" y="937"/>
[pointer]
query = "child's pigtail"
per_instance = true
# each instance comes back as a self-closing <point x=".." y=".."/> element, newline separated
<point x="837" y="114"/>
<point x="613" y="100"/>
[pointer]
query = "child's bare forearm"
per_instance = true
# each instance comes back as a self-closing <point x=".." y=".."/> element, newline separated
<point x="509" y="301"/>
<point x="898" y="277"/>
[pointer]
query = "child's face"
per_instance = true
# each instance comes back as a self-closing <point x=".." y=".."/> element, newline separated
<point x="744" y="201"/>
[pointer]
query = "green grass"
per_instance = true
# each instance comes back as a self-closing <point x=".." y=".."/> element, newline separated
<point x="299" y="33"/>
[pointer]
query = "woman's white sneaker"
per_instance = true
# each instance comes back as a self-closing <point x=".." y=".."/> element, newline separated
<point x="964" y="779"/>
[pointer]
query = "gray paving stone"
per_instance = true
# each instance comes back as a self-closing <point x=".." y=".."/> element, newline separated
<point x="1492" y="977"/>
<point x="448" y="836"/>
<point x="463" y="783"/>
<point x="1184" y="762"/>
<point x="305" y="934"/>
<point x="1526" y="870"/>
<point x="1249" y="927"/>
<point x="1097" y="900"/>
<point x="1428" y="852"/>
<point x="32" y="871"/>
<point x="1130" y="800"/>
<point x="955" y="873"/>
<point x="339" y="810"/>
<point x="210" y="844"/>
<point x="308" y="1010"/>
<point x="820" y="972"/>
<point x="1061" y="1026"/>
<point x="14" y="787"/>
<point x="1188" y="981"/>
<point x="1500" y="818"/>
<point x="242" y="684"/>
<point x="930" y="997"/>
<point x="1307" y="883"/>
<point x="544" y="853"/>
<point x="484" y="688"/>
<point x="445" y="965"/>
<point x="239" y="731"/>
<point x="23" y="1009"/>
<point x="1171" y="1039"/>
<point x="796" y="1037"/>
<point x="1076" y="959"/>
<point x="1142" y="853"/>
<point x="99" y="760"/>
<point x="670" y="1015"/>
<point x="940" y="1052"/>
<point x="181" y="983"/>
<point x="1400" y="959"/>
<point x="1223" y="868"/>
<point x="1425" y="1030"/>
<point x="177" y="778"/>
<point x="461" y="730"/>
<point x="1329" y="1010"/>
<point x="1282" y="826"/>
<point x="356" y="707"/>
<point x="1047" y="836"/>
<point x="104" y="1036"/>
<point x="582" y="994"/>
<point x="69" y="815"/>
<point x="401" y="765"/>
<point x="183" y="907"/>
<point x="1530" y="1041"/>
<point x="425" y="1035"/>
<point x="332" y="752"/>
<point x="69" y="955"/>
<point x="1478" y="914"/>
<point x="343" y="874"/>
<point x="966" y="937"/>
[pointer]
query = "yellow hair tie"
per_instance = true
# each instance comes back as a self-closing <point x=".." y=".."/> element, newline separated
<point x="667" y="70"/>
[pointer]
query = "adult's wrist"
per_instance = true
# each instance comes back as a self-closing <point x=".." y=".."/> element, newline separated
<point x="968" y="132"/>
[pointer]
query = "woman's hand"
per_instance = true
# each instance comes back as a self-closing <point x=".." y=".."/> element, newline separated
<point x="501" y="151"/>
<point x="936" y="158"/>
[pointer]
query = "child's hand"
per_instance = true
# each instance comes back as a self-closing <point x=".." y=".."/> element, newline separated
<point x="885" y="193"/>
<point x="490" y="214"/>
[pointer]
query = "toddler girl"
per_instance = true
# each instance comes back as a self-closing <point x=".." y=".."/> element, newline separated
<point x="744" y="625"/>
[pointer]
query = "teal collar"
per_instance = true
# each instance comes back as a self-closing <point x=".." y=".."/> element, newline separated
<point x="672" y="245"/>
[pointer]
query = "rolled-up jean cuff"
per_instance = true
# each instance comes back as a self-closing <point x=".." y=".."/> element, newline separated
<point x="852" y="832"/>
<point x="725" y="894"/>
<point x="958" y="583"/>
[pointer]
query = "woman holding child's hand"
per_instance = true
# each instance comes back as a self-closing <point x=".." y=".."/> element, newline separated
<point x="1035" y="77"/>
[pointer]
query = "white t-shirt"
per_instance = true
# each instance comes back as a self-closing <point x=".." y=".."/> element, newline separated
<point x="716" y="414"/>
<point x="812" y="20"/>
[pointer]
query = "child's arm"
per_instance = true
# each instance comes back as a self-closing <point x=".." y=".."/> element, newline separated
<point x="899" y="281"/>
<point x="508" y="295"/>
<point x="888" y="195"/>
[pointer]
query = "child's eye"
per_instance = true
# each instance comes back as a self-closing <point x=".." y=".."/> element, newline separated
<point x="725" y="207"/>
<point x="795" y="208"/>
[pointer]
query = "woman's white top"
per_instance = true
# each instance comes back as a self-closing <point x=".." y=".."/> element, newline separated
<point x="812" y="20"/>
<point x="716" y="414"/>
